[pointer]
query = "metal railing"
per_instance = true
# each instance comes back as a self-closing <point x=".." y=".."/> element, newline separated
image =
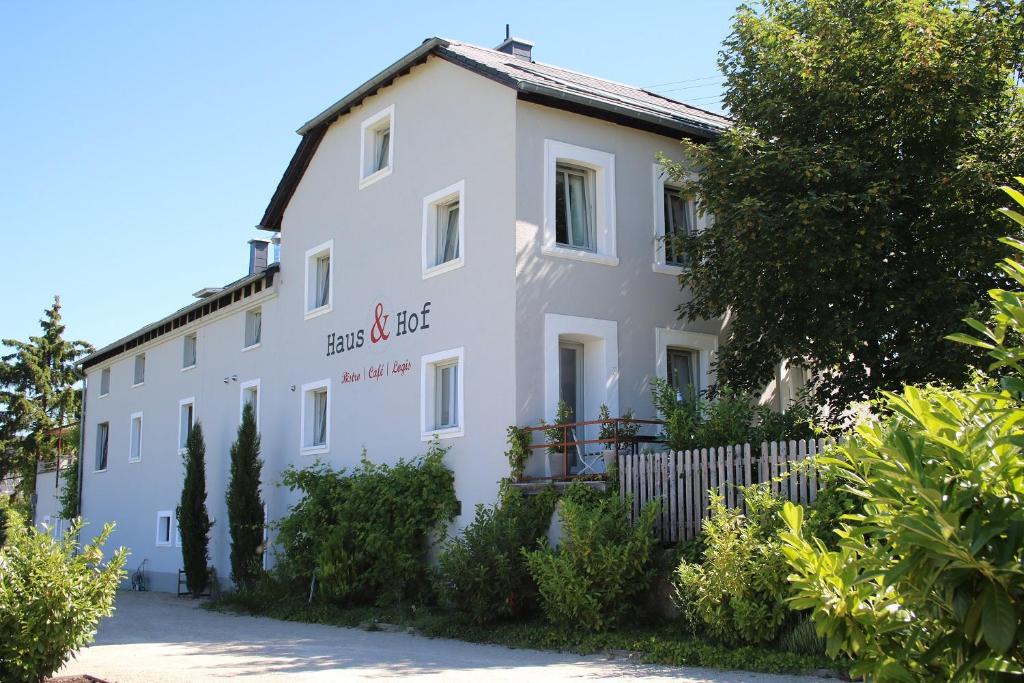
<point x="624" y="437"/>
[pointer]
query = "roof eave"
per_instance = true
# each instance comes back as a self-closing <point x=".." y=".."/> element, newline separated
<point x="91" y="359"/>
<point x="687" y="128"/>
<point x="374" y="84"/>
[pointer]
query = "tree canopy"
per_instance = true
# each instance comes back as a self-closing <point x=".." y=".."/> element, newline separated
<point x="852" y="198"/>
<point x="39" y="397"/>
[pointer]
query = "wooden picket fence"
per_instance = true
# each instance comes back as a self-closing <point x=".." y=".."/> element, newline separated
<point x="680" y="481"/>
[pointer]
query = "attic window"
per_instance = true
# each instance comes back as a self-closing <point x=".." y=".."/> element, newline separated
<point x="377" y="147"/>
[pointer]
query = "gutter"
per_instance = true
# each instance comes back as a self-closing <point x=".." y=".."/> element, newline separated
<point x="81" y="442"/>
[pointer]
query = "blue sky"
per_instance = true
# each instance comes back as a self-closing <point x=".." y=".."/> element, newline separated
<point x="140" y="142"/>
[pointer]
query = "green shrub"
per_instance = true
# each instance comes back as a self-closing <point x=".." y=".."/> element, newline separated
<point x="555" y="434"/>
<point x="625" y="432"/>
<point x="927" y="583"/>
<point x="824" y="516"/>
<point x="603" y="565"/>
<point x="484" y="576"/>
<point x="518" y="453"/>
<point x="365" y="535"/>
<point x="52" y="595"/>
<point x="729" y="417"/>
<point x="737" y="592"/>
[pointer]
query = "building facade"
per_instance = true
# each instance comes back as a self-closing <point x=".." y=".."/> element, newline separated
<point x="466" y="239"/>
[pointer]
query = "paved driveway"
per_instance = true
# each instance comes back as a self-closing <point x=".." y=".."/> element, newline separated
<point x="158" y="638"/>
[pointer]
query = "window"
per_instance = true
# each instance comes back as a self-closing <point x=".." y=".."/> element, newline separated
<point x="188" y="358"/>
<point x="254" y="325"/>
<point x="251" y="396"/>
<point x="674" y="215"/>
<point x="684" y="359"/>
<point x="579" y="203"/>
<point x="186" y="420"/>
<point x="104" y="381"/>
<point x="678" y="224"/>
<point x="574" y="207"/>
<point x="377" y="147"/>
<point x="316" y="414"/>
<point x="164" y="525"/>
<point x="140" y="369"/>
<point x="135" y="438"/>
<point x="681" y="372"/>
<point x="319" y="293"/>
<point x="102" y="444"/>
<point x="442" y="387"/>
<point x="443" y="231"/>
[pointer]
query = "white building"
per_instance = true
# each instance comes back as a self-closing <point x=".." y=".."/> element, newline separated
<point x="464" y="239"/>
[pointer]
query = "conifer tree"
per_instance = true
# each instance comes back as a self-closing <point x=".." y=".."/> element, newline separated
<point x="193" y="518"/>
<point x="39" y="398"/>
<point x="245" y="506"/>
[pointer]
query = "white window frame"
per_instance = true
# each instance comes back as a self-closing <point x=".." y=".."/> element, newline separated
<point x="243" y="387"/>
<point x="194" y="336"/>
<point x="95" y="459"/>
<point x="602" y="164"/>
<point x="183" y="437"/>
<point x="311" y="257"/>
<point x="431" y="206"/>
<point x="131" y="436"/>
<point x="703" y="345"/>
<point x="367" y="139"/>
<point x="171" y="524"/>
<point x="105" y="372"/>
<point x="661" y="181"/>
<point x="306" y="447"/>
<point x="135" y="362"/>
<point x="245" y="322"/>
<point x="177" y="531"/>
<point x="428" y="365"/>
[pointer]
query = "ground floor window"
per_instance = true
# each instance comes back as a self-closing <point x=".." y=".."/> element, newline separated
<point x="681" y="375"/>
<point x="164" y="525"/>
<point x="316" y="412"/>
<point x="684" y="359"/>
<point x="442" y="394"/>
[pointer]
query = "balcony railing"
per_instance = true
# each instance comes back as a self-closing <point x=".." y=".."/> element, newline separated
<point x="623" y="436"/>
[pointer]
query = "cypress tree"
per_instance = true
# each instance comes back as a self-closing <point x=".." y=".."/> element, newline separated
<point x="193" y="519"/>
<point x="245" y="507"/>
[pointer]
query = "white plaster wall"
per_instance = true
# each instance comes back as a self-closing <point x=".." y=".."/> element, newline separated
<point x="450" y="126"/>
<point x="638" y="299"/>
<point x="131" y="493"/>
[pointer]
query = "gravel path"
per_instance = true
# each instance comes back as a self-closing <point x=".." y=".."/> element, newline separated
<point x="158" y="638"/>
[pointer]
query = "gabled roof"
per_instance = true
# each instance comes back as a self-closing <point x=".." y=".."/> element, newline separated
<point x="533" y="81"/>
<point x="239" y="290"/>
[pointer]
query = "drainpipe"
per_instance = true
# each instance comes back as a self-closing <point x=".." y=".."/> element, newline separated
<point x="81" y="442"/>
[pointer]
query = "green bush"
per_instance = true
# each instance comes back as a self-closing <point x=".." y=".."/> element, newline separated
<point x="737" y="592"/>
<point x="927" y="583"/>
<point x="729" y="417"/>
<point x="52" y="595"/>
<point x="483" y="574"/>
<point x="603" y="565"/>
<point x="824" y="516"/>
<point x="365" y="535"/>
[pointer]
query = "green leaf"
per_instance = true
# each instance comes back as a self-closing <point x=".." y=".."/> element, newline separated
<point x="998" y="620"/>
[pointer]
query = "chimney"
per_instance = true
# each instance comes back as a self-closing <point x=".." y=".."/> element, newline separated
<point x="259" y="253"/>
<point x="517" y="47"/>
